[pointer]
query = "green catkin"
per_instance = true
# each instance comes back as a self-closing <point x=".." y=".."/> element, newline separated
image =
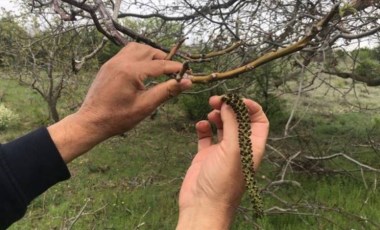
<point x="245" y="145"/>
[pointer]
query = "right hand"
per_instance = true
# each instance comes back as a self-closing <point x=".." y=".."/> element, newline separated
<point x="214" y="183"/>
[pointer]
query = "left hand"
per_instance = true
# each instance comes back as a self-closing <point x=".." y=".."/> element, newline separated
<point x="117" y="99"/>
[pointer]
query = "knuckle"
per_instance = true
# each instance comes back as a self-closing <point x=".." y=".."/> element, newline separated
<point x="132" y="44"/>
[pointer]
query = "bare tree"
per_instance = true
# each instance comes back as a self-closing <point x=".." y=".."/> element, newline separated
<point x="48" y="60"/>
<point x="269" y="29"/>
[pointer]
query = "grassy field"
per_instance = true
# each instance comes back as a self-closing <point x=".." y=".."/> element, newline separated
<point x="132" y="182"/>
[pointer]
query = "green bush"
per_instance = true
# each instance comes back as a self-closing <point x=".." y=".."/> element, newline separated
<point x="7" y="117"/>
<point x="376" y="53"/>
<point x="275" y="109"/>
<point x="109" y="50"/>
<point x="368" y="62"/>
<point x="364" y="53"/>
<point x="341" y="55"/>
<point x="369" y="68"/>
<point x="265" y="79"/>
<point x="196" y="105"/>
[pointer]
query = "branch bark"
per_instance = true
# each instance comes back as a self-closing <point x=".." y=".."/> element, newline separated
<point x="316" y="28"/>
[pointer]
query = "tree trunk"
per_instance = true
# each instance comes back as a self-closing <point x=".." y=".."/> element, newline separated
<point x="53" y="112"/>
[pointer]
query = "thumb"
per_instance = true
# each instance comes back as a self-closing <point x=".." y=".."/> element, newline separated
<point x="160" y="93"/>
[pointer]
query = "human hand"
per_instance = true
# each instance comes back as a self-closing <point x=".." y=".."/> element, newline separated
<point x="117" y="99"/>
<point x="214" y="183"/>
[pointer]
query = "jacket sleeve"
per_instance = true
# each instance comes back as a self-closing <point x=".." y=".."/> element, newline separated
<point x="28" y="166"/>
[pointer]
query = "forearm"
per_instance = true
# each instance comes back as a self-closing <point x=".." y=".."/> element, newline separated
<point x="28" y="166"/>
<point x="74" y="135"/>
<point x="35" y="162"/>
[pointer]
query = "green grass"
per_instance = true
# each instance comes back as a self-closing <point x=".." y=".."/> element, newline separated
<point x="26" y="104"/>
<point x="132" y="182"/>
<point x="139" y="184"/>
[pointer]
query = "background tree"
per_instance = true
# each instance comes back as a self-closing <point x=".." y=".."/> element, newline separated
<point x="289" y="55"/>
<point x="48" y="59"/>
<point x="12" y="35"/>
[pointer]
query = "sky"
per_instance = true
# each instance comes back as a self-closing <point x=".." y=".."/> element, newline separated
<point x="7" y="5"/>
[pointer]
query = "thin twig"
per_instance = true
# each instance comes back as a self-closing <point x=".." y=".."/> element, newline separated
<point x="296" y="103"/>
<point x="345" y="156"/>
<point x="195" y="57"/>
<point x="288" y="161"/>
<point x="364" y="180"/>
<point x="78" y="215"/>
<point x="175" y="49"/>
<point x="141" y="218"/>
<point x="184" y="70"/>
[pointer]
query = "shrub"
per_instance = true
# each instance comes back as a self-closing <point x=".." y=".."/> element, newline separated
<point x="7" y="117"/>
<point x="364" y="53"/>
<point x="196" y="105"/>
<point x="368" y="68"/>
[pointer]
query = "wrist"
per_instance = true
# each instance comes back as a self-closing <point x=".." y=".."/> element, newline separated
<point x="206" y="216"/>
<point x="73" y="136"/>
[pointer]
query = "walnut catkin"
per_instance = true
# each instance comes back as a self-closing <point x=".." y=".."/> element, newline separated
<point x="245" y="146"/>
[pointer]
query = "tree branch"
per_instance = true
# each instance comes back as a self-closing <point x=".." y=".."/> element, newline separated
<point x="77" y="64"/>
<point x="316" y="28"/>
<point x="345" y="156"/>
<point x="198" y="12"/>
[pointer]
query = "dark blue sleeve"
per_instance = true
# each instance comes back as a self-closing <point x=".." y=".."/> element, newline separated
<point x="28" y="166"/>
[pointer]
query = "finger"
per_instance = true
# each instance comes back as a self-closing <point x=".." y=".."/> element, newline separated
<point x="216" y="102"/>
<point x="151" y="52"/>
<point x="215" y="117"/>
<point x="260" y="130"/>
<point x="230" y="126"/>
<point x="159" y="67"/>
<point x="255" y="111"/>
<point x="158" y="94"/>
<point x="158" y="54"/>
<point x="142" y="51"/>
<point x="204" y="135"/>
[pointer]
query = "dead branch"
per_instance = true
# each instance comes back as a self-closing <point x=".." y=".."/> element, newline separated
<point x="77" y="64"/>
<point x="276" y="209"/>
<point x="229" y="49"/>
<point x="345" y="156"/>
<point x="282" y="182"/>
<point x="296" y="103"/>
<point x="79" y="214"/>
<point x="175" y="49"/>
